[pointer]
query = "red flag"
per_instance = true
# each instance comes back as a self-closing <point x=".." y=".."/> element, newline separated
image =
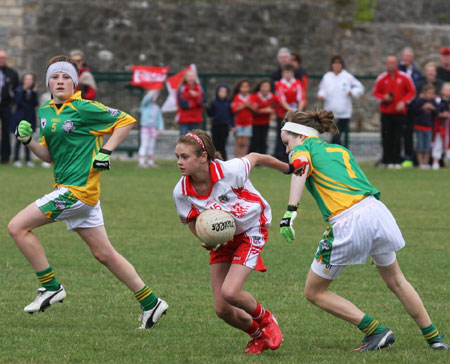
<point x="150" y="78"/>
<point x="172" y="83"/>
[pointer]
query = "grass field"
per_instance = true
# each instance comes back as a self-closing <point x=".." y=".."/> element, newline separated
<point x="97" y="323"/>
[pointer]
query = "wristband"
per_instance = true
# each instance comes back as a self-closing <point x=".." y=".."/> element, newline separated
<point x="105" y="151"/>
<point x="28" y="141"/>
<point x="291" y="169"/>
<point x="292" y="207"/>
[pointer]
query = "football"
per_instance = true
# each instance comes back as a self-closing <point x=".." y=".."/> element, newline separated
<point x="215" y="227"/>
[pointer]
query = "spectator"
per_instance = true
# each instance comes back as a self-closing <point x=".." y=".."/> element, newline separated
<point x="222" y="118"/>
<point x="336" y="90"/>
<point x="290" y="90"/>
<point x="424" y="110"/>
<point x="394" y="89"/>
<point x="9" y="80"/>
<point x="284" y="57"/>
<point x="152" y="125"/>
<point x="443" y="71"/>
<point x="406" y="65"/>
<point x="441" y="143"/>
<point x="264" y="102"/>
<point x="243" y="117"/>
<point x="86" y="81"/>
<point x="190" y="101"/>
<point x="300" y="73"/>
<point x="27" y="100"/>
<point x="430" y="73"/>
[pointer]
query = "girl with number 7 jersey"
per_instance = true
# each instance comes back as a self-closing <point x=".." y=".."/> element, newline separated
<point x="360" y="225"/>
<point x="71" y="136"/>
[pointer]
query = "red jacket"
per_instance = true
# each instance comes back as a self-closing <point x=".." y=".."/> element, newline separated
<point x="261" y="102"/>
<point x="245" y="116"/>
<point x="292" y="92"/>
<point x="400" y="86"/>
<point x="190" y="108"/>
<point x="88" y="92"/>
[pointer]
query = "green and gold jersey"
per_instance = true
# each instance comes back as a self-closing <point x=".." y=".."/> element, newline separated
<point x="335" y="180"/>
<point x="73" y="135"/>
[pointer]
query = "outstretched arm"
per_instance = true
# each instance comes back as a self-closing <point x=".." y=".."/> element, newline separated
<point x="267" y="161"/>
<point x="295" y="194"/>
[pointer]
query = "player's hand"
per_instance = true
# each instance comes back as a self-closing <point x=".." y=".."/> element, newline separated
<point x="101" y="161"/>
<point x="210" y="247"/>
<point x="286" y="228"/>
<point x="23" y="132"/>
<point x="297" y="167"/>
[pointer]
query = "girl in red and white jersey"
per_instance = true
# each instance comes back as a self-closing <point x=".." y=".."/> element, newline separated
<point x="290" y="91"/>
<point x="243" y="117"/>
<point x="209" y="183"/>
<point x="265" y="103"/>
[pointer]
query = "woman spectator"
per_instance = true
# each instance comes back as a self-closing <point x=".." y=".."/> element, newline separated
<point x="336" y="90"/>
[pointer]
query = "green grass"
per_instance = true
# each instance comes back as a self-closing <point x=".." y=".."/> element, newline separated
<point x="98" y="320"/>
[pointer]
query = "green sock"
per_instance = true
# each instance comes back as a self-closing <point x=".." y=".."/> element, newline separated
<point x="431" y="333"/>
<point x="47" y="279"/>
<point x="369" y="326"/>
<point x="146" y="298"/>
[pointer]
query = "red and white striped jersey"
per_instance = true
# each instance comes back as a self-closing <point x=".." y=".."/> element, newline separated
<point x="231" y="191"/>
<point x="290" y="91"/>
<point x="245" y="116"/>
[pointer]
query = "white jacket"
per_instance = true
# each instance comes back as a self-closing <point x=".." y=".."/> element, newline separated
<point x="334" y="88"/>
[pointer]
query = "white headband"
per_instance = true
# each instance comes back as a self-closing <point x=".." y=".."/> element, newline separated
<point x="300" y="129"/>
<point x="64" y="67"/>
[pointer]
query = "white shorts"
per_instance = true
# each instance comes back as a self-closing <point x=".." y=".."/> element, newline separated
<point x="367" y="228"/>
<point x="61" y="204"/>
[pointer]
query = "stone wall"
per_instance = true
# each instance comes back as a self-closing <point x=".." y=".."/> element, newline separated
<point x="222" y="36"/>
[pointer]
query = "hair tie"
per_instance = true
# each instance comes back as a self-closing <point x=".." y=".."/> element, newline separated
<point x="197" y="139"/>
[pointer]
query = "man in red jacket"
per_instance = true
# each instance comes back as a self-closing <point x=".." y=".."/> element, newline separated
<point x="394" y="89"/>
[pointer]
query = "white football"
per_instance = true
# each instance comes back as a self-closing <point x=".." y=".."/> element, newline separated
<point x="215" y="227"/>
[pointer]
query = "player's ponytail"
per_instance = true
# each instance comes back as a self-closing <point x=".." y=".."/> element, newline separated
<point x="321" y="120"/>
<point x="202" y="142"/>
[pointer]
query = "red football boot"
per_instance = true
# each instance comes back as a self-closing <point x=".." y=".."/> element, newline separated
<point x="256" y="346"/>
<point x="271" y="331"/>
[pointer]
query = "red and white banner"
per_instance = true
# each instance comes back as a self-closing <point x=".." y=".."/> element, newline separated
<point x="172" y="84"/>
<point x="150" y="78"/>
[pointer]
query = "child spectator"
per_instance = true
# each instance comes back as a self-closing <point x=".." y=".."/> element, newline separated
<point x="290" y="90"/>
<point x="442" y="127"/>
<point x="152" y="124"/>
<point x="222" y="118"/>
<point x="424" y="111"/>
<point x="264" y="102"/>
<point x="190" y="100"/>
<point x="243" y="117"/>
<point x="27" y="100"/>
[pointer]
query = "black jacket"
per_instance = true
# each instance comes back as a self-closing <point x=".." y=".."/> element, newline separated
<point x="10" y="83"/>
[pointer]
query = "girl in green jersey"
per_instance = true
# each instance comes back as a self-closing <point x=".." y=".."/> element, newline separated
<point x="360" y="225"/>
<point x="71" y="137"/>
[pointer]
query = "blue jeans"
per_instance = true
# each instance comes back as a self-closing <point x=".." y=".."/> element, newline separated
<point x="187" y="127"/>
<point x="423" y="141"/>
